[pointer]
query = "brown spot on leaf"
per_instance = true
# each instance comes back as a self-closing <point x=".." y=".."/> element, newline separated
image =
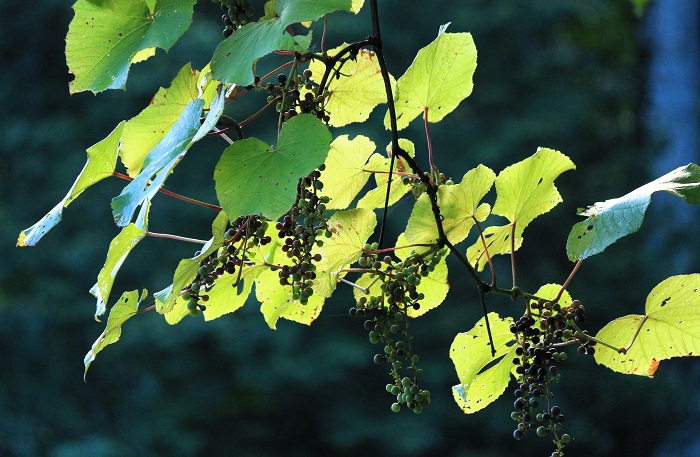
<point x="653" y="367"/>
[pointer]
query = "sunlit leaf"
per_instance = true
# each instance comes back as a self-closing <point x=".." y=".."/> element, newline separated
<point x="254" y="178"/>
<point x="235" y="58"/>
<point x="669" y="328"/>
<point x="186" y="270"/>
<point x="376" y="197"/>
<point x="550" y="292"/>
<point x="437" y="81"/>
<point x="120" y="247"/>
<point x="524" y="191"/>
<point x="158" y="164"/>
<point x="352" y="97"/>
<point x="345" y="174"/>
<point x="228" y="296"/>
<point x="434" y="287"/>
<point x="483" y="377"/>
<point x="350" y="231"/>
<point x="278" y="302"/>
<point x="610" y="220"/>
<point x="123" y="310"/>
<point x="105" y="37"/>
<point x="101" y="161"/>
<point x="460" y="205"/>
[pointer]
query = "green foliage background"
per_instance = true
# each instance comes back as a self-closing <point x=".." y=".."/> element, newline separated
<point x="567" y="75"/>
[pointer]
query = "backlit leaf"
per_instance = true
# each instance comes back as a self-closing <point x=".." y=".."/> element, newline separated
<point x="254" y="178"/>
<point x="524" y="191"/>
<point x="345" y="174"/>
<point x="105" y="37"/>
<point x="610" y="220"/>
<point x="376" y="197"/>
<point x="483" y="377"/>
<point x="277" y="301"/>
<point x="101" y="161"/>
<point x="352" y="97"/>
<point x="669" y="328"/>
<point x="437" y="81"/>
<point x="123" y="310"/>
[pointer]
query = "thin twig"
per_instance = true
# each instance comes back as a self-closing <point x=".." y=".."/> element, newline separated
<point x="175" y="237"/>
<point x="172" y="194"/>
<point x="568" y="280"/>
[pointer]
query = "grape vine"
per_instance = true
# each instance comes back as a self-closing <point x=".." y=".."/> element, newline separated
<point x="295" y="221"/>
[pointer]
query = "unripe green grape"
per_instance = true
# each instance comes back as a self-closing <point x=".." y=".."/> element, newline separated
<point x="395" y="390"/>
<point x="418" y="409"/>
<point x="406" y="382"/>
<point x="565" y="438"/>
<point x="396" y="407"/>
<point x="541" y="431"/>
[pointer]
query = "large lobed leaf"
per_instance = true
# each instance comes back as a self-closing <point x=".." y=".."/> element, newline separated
<point x="254" y="178"/>
<point x="437" y="81"/>
<point x="524" y="191"/>
<point x="610" y="220"/>
<point x="106" y="36"/>
<point x="669" y="328"/>
<point x="353" y="97"/>
<point x="235" y="58"/>
<point x="483" y="377"/>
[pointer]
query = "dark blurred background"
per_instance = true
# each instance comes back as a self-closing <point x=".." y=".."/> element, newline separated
<point x="615" y="92"/>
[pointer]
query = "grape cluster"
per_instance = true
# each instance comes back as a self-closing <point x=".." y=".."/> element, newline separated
<point x="541" y="334"/>
<point x="387" y="321"/>
<point x="242" y="234"/>
<point x="302" y="229"/>
<point x="237" y="13"/>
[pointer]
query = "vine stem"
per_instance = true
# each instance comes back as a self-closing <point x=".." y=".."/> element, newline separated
<point x="431" y="188"/>
<point x="350" y="283"/>
<point x="634" y="337"/>
<point x="568" y="280"/>
<point x="172" y="194"/>
<point x="175" y="237"/>
<point x="581" y="335"/>
<point x="429" y="140"/>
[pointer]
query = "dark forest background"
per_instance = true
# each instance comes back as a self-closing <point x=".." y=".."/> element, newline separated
<point x="568" y="74"/>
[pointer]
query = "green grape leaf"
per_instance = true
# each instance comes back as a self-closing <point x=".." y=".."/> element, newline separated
<point x="434" y="287"/>
<point x="610" y="220"/>
<point x="437" y="81"/>
<point x="524" y="191"/>
<point x="253" y="178"/>
<point x="345" y="174"/>
<point x="483" y="377"/>
<point x="158" y="164"/>
<point x="376" y="197"/>
<point x="235" y="58"/>
<point x="227" y="296"/>
<point x="459" y="205"/>
<point x="350" y="231"/>
<point x="670" y="328"/>
<point x="186" y="270"/>
<point x="277" y="301"/>
<point x="126" y="307"/>
<point x="105" y="37"/>
<point x="144" y="131"/>
<point x="101" y="162"/>
<point x="119" y="249"/>
<point x="357" y="6"/>
<point x="550" y="292"/>
<point x="360" y="89"/>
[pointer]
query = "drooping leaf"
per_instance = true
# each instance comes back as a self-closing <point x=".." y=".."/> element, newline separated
<point x="345" y="174"/>
<point x="437" y="81"/>
<point x="460" y="205"/>
<point x="483" y="377"/>
<point x="106" y="36"/>
<point x="186" y="270"/>
<point x="235" y="58"/>
<point x="350" y="231"/>
<point x="143" y="132"/>
<point x="253" y="178"/>
<point x="123" y="310"/>
<point x="352" y="97"/>
<point x="376" y="197"/>
<point x="669" y="328"/>
<point x="277" y="301"/>
<point x="524" y="191"/>
<point x="610" y="220"/>
<point x="101" y="161"/>
<point x="158" y="164"/>
<point x="119" y="249"/>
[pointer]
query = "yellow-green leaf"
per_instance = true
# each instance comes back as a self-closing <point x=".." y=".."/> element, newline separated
<point x="353" y="97"/>
<point x="483" y="377"/>
<point x="434" y="287"/>
<point x="376" y="197"/>
<point x="437" y="81"/>
<point x="123" y="310"/>
<point x="669" y="328"/>
<point x="277" y="301"/>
